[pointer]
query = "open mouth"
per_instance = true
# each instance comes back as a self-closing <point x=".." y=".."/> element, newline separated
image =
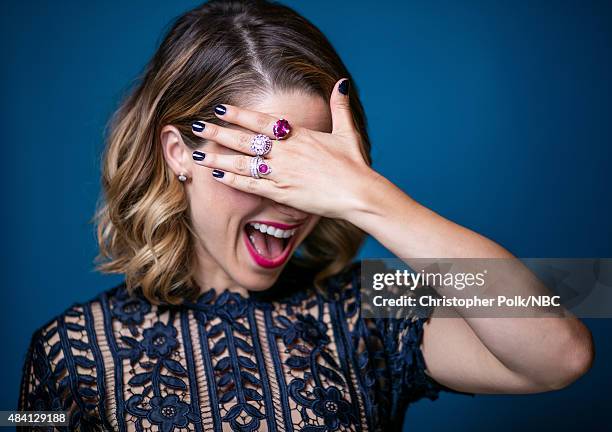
<point x="269" y="244"/>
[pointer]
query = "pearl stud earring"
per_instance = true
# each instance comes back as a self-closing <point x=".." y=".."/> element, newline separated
<point x="182" y="177"/>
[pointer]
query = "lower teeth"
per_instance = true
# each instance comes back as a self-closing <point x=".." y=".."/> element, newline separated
<point x="259" y="251"/>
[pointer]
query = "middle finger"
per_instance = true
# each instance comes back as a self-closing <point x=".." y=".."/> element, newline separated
<point x="230" y="138"/>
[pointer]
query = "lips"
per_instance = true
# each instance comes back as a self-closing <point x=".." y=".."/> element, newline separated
<point x="269" y="243"/>
<point x="276" y="224"/>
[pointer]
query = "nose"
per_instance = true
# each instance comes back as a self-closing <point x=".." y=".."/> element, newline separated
<point x="293" y="213"/>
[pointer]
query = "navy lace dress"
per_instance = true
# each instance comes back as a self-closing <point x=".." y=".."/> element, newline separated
<point x="292" y="358"/>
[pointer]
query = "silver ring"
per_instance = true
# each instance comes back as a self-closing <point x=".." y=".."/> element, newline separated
<point x="259" y="167"/>
<point x="261" y="144"/>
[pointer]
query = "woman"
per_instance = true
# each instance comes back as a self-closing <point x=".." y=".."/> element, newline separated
<point x="241" y="308"/>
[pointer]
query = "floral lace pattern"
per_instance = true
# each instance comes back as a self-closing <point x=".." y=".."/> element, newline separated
<point x="303" y="361"/>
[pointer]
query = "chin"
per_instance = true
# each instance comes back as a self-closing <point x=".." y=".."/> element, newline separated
<point x="255" y="282"/>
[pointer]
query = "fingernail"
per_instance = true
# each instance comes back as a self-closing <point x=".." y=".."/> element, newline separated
<point x="218" y="173"/>
<point x="220" y="109"/>
<point x="344" y="87"/>
<point x="198" y="126"/>
<point x="198" y="155"/>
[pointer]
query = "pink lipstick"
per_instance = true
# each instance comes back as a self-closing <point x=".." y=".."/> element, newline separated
<point x="269" y="243"/>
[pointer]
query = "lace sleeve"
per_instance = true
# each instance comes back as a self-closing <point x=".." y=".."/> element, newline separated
<point x="37" y="392"/>
<point x="391" y="361"/>
<point x="402" y="339"/>
<point x="56" y="373"/>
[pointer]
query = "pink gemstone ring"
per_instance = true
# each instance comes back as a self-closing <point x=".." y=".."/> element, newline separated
<point x="259" y="167"/>
<point x="281" y="129"/>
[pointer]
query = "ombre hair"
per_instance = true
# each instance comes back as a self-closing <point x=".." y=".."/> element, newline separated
<point x="219" y="52"/>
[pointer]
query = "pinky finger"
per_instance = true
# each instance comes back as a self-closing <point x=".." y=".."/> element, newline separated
<point x="247" y="184"/>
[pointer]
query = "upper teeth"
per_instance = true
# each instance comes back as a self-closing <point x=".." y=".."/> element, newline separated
<point x="273" y="231"/>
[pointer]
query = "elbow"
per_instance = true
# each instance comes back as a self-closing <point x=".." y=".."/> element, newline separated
<point x="576" y="355"/>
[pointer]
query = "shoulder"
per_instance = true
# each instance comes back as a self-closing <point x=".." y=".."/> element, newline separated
<point x="115" y="303"/>
<point x="345" y="282"/>
<point x="74" y="318"/>
<point x="76" y="308"/>
<point x="69" y="329"/>
<point x="349" y="276"/>
<point x="77" y="333"/>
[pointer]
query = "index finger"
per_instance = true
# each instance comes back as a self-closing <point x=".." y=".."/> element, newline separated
<point x="230" y="138"/>
<point x="253" y="120"/>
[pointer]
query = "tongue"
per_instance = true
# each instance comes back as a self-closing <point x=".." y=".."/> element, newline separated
<point x="275" y="245"/>
<point x="267" y="245"/>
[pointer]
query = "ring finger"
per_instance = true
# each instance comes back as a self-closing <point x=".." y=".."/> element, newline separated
<point x="239" y="164"/>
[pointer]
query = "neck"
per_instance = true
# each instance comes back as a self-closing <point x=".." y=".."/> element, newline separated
<point x="209" y="274"/>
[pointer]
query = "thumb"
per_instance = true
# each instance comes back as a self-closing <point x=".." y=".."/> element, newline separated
<point x="342" y="116"/>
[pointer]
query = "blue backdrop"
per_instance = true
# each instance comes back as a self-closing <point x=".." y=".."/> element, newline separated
<point x="494" y="114"/>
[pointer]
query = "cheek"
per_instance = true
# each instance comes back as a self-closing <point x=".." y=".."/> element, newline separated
<point x="215" y="206"/>
<point x="312" y="223"/>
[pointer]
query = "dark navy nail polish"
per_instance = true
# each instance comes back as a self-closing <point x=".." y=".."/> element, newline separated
<point x="344" y="87"/>
<point x="220" y="109"/>
<point x="198" y="155"/>
<point x="198" y="126"/>
<point x="218" y="173"/>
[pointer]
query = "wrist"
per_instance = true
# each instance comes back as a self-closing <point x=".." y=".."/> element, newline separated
<point x="374" y="198"/>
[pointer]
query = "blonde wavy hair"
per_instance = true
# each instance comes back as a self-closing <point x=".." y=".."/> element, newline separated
<point x="222" y="51"/>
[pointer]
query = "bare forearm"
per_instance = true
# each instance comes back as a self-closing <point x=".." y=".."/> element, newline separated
<point x="410" y="230"/>
<point x="528" y="345"/>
